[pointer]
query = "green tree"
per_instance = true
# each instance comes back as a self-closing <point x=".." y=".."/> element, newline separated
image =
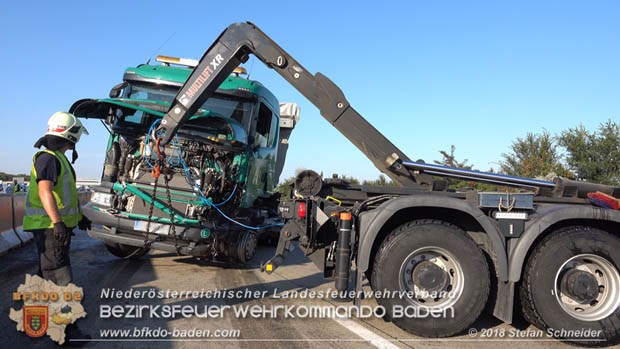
<point x="449" y="159"/>
<point x="9" y="177"/>
<point x="536" y="155"/>
<point x="285" y="187"/>
<point x="350" y="179"/>
<point x="380" y="182"/>
<point x="594" y="156"/>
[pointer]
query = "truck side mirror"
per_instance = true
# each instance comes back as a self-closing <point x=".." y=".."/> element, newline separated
<point x="115" y="92"/>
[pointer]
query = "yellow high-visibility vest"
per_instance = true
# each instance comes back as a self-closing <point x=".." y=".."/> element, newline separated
<point x="65" y="193"/>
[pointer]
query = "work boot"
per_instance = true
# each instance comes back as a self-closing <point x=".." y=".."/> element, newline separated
<point x="61" y="276"/>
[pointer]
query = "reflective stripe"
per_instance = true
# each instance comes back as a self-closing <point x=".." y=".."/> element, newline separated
<point x="31" y="211"/>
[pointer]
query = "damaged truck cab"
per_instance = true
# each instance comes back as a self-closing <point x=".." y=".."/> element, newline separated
<point x="215" y="194"/>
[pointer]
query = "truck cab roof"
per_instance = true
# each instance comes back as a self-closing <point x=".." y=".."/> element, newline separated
<point x="176" y="76"/>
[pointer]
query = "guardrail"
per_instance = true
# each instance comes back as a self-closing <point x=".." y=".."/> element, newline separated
<point x="11" y="216"/>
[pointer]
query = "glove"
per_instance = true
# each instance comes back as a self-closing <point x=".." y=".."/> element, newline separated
<point x="61" y="233"/>
<point x="85" y="223"/>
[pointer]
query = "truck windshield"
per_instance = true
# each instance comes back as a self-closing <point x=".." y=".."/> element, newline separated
<point x="222" y="106"/>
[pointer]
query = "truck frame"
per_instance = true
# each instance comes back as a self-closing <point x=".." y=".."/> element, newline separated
<point x="545" y="245"/>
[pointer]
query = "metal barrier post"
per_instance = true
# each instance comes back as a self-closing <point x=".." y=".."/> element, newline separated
<point x="21" y="242"/>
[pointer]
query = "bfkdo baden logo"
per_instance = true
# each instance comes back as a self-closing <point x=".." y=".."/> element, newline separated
<point x="48" y="308"/>
<point x="35" y="319"/>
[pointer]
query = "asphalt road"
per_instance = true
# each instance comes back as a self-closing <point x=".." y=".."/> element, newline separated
<point x="95" y="269"/>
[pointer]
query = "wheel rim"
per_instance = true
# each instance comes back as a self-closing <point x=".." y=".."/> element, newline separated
<point x="576" y="298"/>
<point x="447" y="290"/>
<point x="246" y="247"/>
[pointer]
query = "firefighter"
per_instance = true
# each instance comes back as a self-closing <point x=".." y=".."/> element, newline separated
<point x="52" y="208"/>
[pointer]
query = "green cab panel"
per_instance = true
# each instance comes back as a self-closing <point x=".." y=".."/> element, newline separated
<point x="146" y="95"/>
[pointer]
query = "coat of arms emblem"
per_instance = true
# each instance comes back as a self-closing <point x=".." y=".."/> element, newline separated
<point x="35" y="320"/>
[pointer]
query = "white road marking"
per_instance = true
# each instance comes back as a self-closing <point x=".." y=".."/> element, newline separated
<point x="365" y="333"/>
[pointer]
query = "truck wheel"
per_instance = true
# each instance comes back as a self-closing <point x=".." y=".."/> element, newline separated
<point x="125" y="251"/>
<point x="441" y="273"/>
<point x="246" y="247"/>
<point x="571" y="286"/>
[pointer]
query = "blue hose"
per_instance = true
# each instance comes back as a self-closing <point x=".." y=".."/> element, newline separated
<point x="195" y="186"/>
<point x="147" y="143"/>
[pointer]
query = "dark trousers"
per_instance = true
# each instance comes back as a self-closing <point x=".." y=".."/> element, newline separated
<point x="54" y="263"/>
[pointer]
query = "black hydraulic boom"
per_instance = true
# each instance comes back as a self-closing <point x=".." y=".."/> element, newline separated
<point x="233" y="47"/>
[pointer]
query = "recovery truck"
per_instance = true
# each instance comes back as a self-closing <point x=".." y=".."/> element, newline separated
<point x="545" y="247"/>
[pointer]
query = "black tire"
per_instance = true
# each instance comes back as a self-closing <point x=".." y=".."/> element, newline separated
<point x="395" y="252"/>
<point x="125" y="251"/>
<point x="539" y="303"/>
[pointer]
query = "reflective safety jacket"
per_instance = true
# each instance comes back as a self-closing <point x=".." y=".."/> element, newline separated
<point x="65" y="193"/>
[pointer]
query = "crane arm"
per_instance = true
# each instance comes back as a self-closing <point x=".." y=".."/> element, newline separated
<point x="233" y="47"/>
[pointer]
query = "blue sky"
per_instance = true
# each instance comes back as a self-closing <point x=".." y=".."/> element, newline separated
<point x="475" y="74"/>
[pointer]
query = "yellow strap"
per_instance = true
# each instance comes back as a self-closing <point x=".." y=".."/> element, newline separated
<point x="334" y="199"/>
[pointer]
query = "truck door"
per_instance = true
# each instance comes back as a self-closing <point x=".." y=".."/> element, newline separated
<point x="266" y="128"/>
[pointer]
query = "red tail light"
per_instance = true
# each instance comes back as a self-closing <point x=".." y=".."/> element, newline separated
<point x="301" y="210"/>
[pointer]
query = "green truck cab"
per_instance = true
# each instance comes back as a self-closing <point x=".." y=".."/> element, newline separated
<point x="215" y="194"/>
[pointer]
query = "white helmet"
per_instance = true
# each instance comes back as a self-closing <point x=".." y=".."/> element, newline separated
<point x="65" y="125"/>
